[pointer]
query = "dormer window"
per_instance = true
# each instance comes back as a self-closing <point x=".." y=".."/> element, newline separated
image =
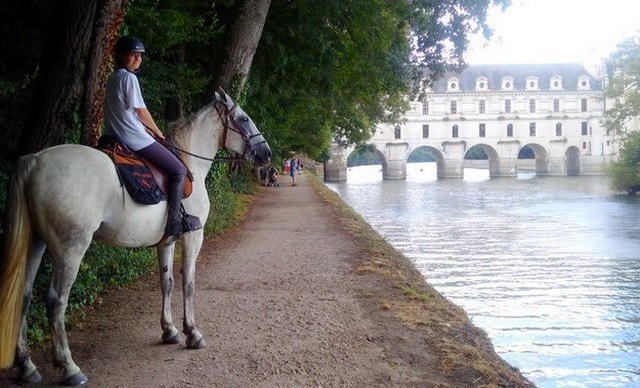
<point x="453" y="84"/>
<point x="584" y="83"/>
<point x="507" y="83"/>
<point x="482" y="84"/>
<point x="531" y="83"/>
<point x="555" y="83"/>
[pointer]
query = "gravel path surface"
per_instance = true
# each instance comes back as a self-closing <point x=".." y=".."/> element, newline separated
<point x="280" y="305"/>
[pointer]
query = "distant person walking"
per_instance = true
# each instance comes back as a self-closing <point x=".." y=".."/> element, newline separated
<point x="293" y="167"/>
<point x="286" y="164"/>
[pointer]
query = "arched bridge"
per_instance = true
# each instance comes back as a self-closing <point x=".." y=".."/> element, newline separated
<point x="553" y="156"/>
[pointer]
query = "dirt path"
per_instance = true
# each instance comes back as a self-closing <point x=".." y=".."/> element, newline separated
<point x="280" y="304"/>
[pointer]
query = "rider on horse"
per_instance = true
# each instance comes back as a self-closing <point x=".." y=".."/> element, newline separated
<point x="128" y="119"/>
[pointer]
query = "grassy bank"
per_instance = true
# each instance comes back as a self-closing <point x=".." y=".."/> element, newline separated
<point x="465" y="353"/>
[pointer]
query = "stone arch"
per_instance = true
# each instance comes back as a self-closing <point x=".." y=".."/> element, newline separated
<point x="373" y="149"/>
<point x="573" y="160"/>
<point x="541" y="157"/>
<point x="492" y="156"/>
<point x="436" y="153"/>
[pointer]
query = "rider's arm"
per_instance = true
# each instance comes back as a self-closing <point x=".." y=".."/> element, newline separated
<point x="145" y="117"/>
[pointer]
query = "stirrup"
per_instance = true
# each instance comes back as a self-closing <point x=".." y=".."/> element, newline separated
<point x="190" y="223"/>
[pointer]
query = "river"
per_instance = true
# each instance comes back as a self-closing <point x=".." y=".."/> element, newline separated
<point x="549" y="267"/>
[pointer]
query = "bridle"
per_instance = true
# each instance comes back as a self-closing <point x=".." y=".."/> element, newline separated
<point x="230" y="123"/>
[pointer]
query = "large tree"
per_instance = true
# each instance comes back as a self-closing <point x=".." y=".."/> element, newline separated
<point x="622" y="89"/>
<point x="622" y="95"/>
<point x="68" y="64"/>
<point x="242" y="34"/>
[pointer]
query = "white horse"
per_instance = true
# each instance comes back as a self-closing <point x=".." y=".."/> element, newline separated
<point x="63" y="197"/>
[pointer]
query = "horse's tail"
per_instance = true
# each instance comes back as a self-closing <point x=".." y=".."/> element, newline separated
<point x="13" y="263"/>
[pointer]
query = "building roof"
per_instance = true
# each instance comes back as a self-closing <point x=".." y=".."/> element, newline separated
<point x="570" y="73"/>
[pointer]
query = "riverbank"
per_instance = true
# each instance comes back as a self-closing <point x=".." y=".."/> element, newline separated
<point x="303" y="294"/>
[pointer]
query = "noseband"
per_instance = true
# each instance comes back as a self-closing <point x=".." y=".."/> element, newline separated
<point x="230" y="123"/>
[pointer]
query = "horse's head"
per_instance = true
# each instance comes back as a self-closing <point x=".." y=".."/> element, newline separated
<point x="240" y="133"/>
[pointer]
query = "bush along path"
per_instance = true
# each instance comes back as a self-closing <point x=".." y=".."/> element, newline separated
<point x="302" y="294"/>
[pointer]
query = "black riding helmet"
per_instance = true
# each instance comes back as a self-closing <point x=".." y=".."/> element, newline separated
<point x="127" y="44"/>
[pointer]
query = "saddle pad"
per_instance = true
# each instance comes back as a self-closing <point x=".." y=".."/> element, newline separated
<point x="145" y="182"/>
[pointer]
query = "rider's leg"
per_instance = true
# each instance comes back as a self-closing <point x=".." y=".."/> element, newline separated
<point x="177" y="172"/>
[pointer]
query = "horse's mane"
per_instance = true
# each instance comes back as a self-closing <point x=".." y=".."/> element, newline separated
<point x="180" y="127"/>
<point x="183" y="126"/>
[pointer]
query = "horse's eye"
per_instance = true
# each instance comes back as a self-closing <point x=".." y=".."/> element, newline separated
<point x="245" y="119"/>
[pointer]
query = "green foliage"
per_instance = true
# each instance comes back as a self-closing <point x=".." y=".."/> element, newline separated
<point x="325" y="70"/>
<point x="334" y="69"/>
<point x="623" y="86"/>
<point x="178" y="37"/>
<point x="224" y="189"/>
<point x="625" y="173"/>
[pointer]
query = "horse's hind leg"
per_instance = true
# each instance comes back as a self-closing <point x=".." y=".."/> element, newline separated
<point x="66" y="263"/>
<point x="170" y="335"/>
<point x="28" y="371"/>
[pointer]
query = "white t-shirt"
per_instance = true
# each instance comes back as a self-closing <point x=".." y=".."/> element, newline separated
<point x="122" y="95"/>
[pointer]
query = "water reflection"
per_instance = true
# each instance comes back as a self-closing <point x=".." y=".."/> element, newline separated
<point x="549" y="267"/>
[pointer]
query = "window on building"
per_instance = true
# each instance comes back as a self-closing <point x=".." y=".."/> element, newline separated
<point x="584" y="104"/>
<point x="507" y="106"/>
<point x="556" y="105"/>
<point x="532" y="129"/>
<point x="509" y="130"/>
<point x="425" y="108"/>
<point x="584" y="145"/>
<point x="425" y="131"/>
<point x="585" y="128"/>
<point x="532" y="106"/>
<point x="397" y="132"/>
<point x="482" y="130"/>
<point x="454" y="107"/>
<point x="454" y="130"/>
<point x="559" y="129"/>
<point x="482" y="106"/>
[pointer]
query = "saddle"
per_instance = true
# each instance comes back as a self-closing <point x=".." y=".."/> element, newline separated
<point x="144" y="180"/>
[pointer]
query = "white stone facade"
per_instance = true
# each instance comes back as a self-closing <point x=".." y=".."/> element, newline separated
<point x="556" y="110"/>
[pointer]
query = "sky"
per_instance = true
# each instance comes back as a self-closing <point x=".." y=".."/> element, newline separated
<point x="556" y="31"/>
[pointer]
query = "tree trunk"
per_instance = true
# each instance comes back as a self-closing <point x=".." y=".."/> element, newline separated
<point x="105" y="31"/>
<point x="69" y="91"/>
<point x="242" y="37"/>
<point x="59" y="84"/>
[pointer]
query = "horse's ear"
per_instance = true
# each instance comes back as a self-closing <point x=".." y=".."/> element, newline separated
<point x="222" y="96"/>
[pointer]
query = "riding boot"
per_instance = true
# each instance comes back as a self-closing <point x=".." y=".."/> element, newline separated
<point x="173" y="227"/>
<point x="178" y="221"/>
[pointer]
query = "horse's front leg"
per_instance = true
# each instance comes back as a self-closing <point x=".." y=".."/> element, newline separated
<point x="192" y="244"/>
<point x="170" y="335"/>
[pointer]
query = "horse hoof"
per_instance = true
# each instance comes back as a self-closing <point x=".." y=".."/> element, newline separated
<point x="199" y="344"/>
<point x="77" y="380"/>
<point x="170" y="338"/>
<point x="32" y="378"/>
